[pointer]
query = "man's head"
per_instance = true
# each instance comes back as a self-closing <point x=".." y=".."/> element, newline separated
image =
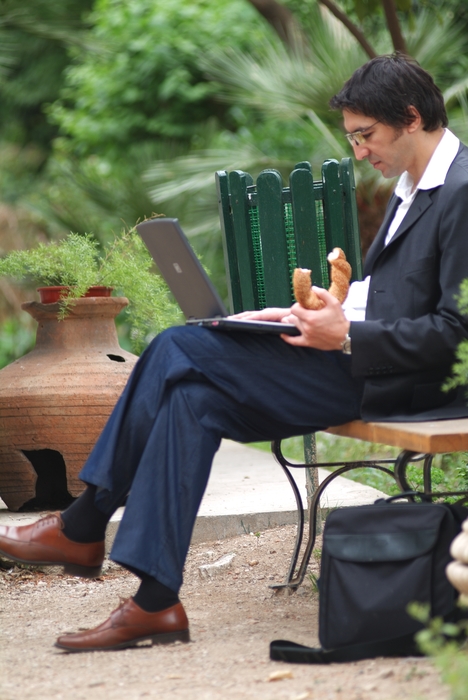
<point x="394" y="115"/>
<point x="387" y="87"/>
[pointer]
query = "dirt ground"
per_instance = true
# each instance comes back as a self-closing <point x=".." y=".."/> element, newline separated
<point x="233" y="617"/>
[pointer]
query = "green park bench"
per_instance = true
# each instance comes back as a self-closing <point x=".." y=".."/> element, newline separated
<point x="269" y="230"/>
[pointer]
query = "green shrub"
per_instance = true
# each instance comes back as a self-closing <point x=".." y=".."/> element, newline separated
<point x="148" y="83"/>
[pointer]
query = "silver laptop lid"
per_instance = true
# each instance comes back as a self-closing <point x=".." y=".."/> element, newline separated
<point x="180" y="267"/>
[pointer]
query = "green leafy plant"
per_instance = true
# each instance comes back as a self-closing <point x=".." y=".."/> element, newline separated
<point x="72" y="262"/>
<point x="446" y="643"/>
<point x="78" y="262"/>
<point x="149" y="83"/>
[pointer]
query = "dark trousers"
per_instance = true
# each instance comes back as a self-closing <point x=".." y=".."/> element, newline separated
<point x="190" y="388"/>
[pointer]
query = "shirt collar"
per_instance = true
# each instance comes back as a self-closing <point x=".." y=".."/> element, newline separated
<point x="436" y="170"/>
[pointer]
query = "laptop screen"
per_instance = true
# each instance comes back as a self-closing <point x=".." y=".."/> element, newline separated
<point x="180" y="267"/>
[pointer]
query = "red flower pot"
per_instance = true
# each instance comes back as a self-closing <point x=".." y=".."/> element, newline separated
<point x="51" y="295"/>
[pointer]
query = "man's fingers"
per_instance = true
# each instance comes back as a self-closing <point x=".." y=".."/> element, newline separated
<point x="269" y="314"/>
<point x="294" y="339"/>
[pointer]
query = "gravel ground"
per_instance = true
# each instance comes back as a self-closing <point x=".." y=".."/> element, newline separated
<point x="233" y="617"/>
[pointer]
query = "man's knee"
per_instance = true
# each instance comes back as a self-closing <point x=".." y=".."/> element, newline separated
<point x="164" y="341"/>
<point x="189" y="341"/>
<point x="178" y="334"/>
<point x="175" y="354"/>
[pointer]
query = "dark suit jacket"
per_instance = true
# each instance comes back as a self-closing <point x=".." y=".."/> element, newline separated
<point x="405" y="348"/>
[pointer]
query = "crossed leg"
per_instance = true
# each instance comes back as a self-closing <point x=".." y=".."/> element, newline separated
<point x="191" y="388"/>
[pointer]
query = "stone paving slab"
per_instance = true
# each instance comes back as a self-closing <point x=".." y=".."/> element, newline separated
<point x="247" y="492"/>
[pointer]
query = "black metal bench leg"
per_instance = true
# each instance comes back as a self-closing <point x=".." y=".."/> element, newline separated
<point x="295" y="581"/>
<point x="401" y="463"/>
<point x="427" y="473"/>
<point x="276" y="449"/>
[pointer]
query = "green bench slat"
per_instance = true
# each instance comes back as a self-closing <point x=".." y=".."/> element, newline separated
<point x="333" y="206"/>
<point x="353" y="247"/>
<point x="308" y="253"/>
<point x="229" y="242"/>
<point x="274" y="239"/>
<point x="238" y="183"/>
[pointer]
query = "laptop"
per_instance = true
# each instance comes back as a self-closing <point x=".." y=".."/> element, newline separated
<point x="191" y="286"/>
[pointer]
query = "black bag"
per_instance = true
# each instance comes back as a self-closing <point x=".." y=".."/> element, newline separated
<point x="377" y="559"/>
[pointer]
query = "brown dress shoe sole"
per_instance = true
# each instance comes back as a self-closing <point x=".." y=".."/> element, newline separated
<point x="155" y="639"/>
<point x="72" y="569"/>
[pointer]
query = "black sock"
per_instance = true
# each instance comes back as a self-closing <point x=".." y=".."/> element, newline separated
<point x="153" y="596"/>
<point x="83" y="521"/>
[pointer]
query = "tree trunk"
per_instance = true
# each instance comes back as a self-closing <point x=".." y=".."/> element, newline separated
<point x="355" y="31"/>
<point x="393" y="24"/>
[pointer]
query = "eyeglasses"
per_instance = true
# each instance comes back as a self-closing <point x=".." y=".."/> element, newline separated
<point x="357" y="138"/>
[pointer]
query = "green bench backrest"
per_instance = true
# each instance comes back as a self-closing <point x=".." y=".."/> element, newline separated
<point x="268" y="230"/>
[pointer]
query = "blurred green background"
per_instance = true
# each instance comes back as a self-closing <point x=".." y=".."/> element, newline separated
<point x="111" y="110"/>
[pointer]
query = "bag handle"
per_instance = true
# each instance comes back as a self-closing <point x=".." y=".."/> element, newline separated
<point x="425" y="498"/>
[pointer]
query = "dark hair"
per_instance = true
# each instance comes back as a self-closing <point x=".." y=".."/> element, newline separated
<point x="385" y="87"/>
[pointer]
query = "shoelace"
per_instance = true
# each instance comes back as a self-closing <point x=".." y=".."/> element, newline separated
<point x="46" y="521"/>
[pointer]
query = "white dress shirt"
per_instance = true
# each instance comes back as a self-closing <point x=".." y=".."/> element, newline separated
<point x="434" y="175"/>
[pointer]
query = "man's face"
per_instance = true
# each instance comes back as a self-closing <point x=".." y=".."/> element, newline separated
<point x="387" y="149"/>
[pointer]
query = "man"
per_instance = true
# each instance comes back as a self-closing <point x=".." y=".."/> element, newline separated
<point x="192" y="386"/>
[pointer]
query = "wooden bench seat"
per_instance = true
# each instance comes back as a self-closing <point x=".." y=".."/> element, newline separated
<point x="433" y="437"/>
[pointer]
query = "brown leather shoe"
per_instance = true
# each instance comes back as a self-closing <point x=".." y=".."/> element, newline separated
<point x="127" y="626"/>
<point x="44" y="543"/>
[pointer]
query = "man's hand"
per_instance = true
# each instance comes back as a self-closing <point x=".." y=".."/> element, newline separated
<point x="324" y="329"/>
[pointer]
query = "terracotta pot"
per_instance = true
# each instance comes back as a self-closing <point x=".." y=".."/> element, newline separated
<point x="55" y="401"/>
<point x="50" y="295"/>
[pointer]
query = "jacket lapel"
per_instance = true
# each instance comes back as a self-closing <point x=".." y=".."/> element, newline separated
<point x="422" y="202"/>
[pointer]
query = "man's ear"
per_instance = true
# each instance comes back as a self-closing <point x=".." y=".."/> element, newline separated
<point x="417" y="120"/>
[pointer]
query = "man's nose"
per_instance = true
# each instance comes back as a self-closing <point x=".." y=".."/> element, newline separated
<point x="360" y="152"/>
